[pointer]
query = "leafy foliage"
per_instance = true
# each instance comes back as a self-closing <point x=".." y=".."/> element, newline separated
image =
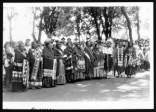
<point x="67" y="21"/>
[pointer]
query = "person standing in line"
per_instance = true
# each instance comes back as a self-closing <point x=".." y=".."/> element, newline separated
<point x="8" y="64"/>
<point x="115" y="64"/>
<point x="89" y="60"/>
<point x="96" y="54"/>
<point x="146" y="58"/>
<point x="129" y="62"/>
<point x="60" y="72"/>
<point x="69" y="52"/>
<point x="79" y="62"/>
<point x="49" y="65"/>
<point x="20" y="69"/>
<point x="102" y="52"/>
<point x="35" y="63"/>
<point x="120" y="59"/>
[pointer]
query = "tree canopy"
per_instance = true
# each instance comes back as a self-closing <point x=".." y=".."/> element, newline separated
<point x="67" y="21"/>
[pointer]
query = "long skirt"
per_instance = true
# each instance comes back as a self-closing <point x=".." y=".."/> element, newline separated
<point x="61" y="79"/>
<point x="129" y="70"/>
<point x="18" y="81"/>
<point x="146" y="65"/>
<point x="120" y="69"/>
<point x="88" y="69"/>
<point x="69" y="70"/>
<point x="99" y="72"/>
<point x="20" y="75"/>
<point x="81" y="68"/>
<point x="79" y="76"/>
<point x="36" y="75"/>
<point x="49" y="73"/>
<point x="8" y="76"/>
<point x="68" y="74"/>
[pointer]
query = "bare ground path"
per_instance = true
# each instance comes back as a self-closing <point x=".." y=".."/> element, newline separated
<point x="116" y="89"/>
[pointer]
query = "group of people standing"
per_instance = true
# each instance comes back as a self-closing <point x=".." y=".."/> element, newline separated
<point x="59" y="62"/>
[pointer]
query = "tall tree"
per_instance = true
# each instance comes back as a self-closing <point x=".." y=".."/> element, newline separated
<point x="123" y="10"/>
<point x="49" y="19"/>
<point x="35" y="17"/>
<point x="11" y="14"/>
<point x="77" y="13"/>
<point x="94" y="12"/>
<point x="65" y="24"/>
<point x="138" y="22"/>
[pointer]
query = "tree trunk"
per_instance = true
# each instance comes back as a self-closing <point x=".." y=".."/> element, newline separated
<point x="94" y="15"/>
<point x="40" y="30"/>
<point x="78" y="17"/>
<point x="138" y="24"/>
<point x="128" y="24"/>
<point x="10" y="31"/>
<point x="97" y="29"/>
<point x="106" y="23"/>
<point x="110" y="28"/>
<point x="78" y="30"/>
<point x="33" y="32"/>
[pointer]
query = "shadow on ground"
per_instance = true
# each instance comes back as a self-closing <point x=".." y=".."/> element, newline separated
<point x="116" y="89"/>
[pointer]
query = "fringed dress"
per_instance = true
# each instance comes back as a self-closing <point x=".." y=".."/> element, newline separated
<point x="99" y="64"/>
<point x="129" y="70"/>
<point x="89" y="61"/>
<point x="69" y="52"/>
<point x="35" y="62"/>
<point x="60" y="72"/>
<point x="79" y="65"/>
<point x="20" y="72"/>
<point x="120" y="60"/>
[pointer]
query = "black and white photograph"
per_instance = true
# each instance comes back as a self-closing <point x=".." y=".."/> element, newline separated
<point x="78" y="55"/>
